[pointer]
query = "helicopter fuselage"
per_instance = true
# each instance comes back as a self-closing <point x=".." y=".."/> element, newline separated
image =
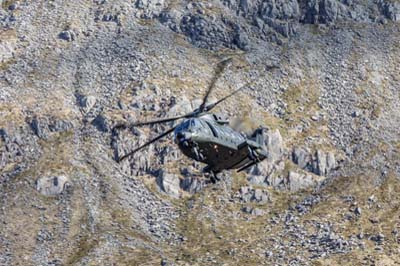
<point x="207" y="140"/>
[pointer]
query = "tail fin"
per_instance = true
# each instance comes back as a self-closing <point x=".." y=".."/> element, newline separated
<point x="258" y="136"/>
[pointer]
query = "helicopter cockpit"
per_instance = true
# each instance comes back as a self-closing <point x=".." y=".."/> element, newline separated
<point x="192" y="125"/>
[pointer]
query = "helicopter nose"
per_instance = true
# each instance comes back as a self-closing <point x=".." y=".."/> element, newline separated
<point x="182" y="137"/>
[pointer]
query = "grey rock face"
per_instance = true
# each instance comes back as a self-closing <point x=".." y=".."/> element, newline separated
<point x="67" y="35"/>
<point x="276" y="180"/>
<point x="57" y="125"/>
<point x="44" y="126"/>
<point x="390" y="9"/>
<point x="241" y="40"/>
<point x="297" y="181"/>
<point x="124" y="141"/>
<point x="149" y="8"/>
<point x="301" y="157"/>
<point x="101" y="123"/>
<point x="8" y="45"/>
<point x="320" y="163"/>
<point x="264" y="172"/>
<point x="283" y="10"/>
<point x="40" y="128"/>
<point x="169" y="183"/>
<point x="324" y="163"/>
<point x="358" y="211"/>
<point x="253" y="211"/>
<point x="52" y="185"/>
<point x="307" y="203"/>
<point x="18" y="146"/>
<point x="87" y="103"/>
<point x="204" y="32"/>
<point x="321" y="11"/>
<point x="275" y="146"/>
<point x="249" y="194"/>
<point x="274" y="19"/>
<point x="379" y="238"/>
<point x="191" y="184"/>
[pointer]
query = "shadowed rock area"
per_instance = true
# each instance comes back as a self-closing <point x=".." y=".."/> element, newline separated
<point x="323" y="79"/>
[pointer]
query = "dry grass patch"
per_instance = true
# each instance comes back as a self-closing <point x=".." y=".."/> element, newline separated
<point x="11" y="113"/>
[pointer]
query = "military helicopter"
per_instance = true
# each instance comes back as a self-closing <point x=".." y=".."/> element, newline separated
<point x="208" y="138"/>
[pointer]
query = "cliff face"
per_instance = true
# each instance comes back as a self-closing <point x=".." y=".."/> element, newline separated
<point x="324" y="76"/>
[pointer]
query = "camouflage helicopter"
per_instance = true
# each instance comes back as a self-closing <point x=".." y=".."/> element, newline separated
<point x="208" y="138"/>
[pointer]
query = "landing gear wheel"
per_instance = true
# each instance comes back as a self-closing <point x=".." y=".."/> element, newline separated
<point x="211" y="174"/>
<point x="214" y="177"/>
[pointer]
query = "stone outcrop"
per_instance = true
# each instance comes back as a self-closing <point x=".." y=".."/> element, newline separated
<point x="250" y="194"/>
<point x="87" y="103"/>
<point x="192" y="184"/>
<point x="267" y="172"/>
<point x="274" y="19"/>
<point x="296" y="181"/>
<point x="169" y="183"/>
<point x="52" y="185"/>
<point x="320" y="162"/>
<point x="43" y="127"/>
<point x="8" y="45"/>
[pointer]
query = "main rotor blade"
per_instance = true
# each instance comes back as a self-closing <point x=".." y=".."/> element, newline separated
<point x="211" y="106"/>
<point x="152" y="122"/>
<point x="163" y="120"/>
<point x="146" y="144"/>
<point x="218" y="72"/>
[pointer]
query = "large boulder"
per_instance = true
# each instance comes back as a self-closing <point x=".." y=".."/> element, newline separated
<point x="262" y="173"/>
<point x="52" y="185"/>
<point x="250" y="194"/>
<point x="101" y="123"/>
<point x="320" y="162"/>
<point x="44" y="126"/>
<point x="8" y="45"/>
<point x="301" y="157"/>
<point x="324" y="162"/>
<point x="169" y="183"/>
<point x="280" y="9"/>
<point x="149" y="8"/>
<point x="390" y="9"/>
<point x="275" y="146"/>
<point x="87" y="103"/>
<point x="125" y="141"/>
<point x="296" y="181"/>
<point x="192" y="184"/>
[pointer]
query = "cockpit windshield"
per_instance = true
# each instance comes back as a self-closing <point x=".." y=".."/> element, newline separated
<point x="184" y="126"/>
<point x="193" y="125"/>
<point x="189" y="125"/>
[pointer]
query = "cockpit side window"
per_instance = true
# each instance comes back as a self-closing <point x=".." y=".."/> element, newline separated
<point x="196" y="125"/>
<point x="185" y="125"/>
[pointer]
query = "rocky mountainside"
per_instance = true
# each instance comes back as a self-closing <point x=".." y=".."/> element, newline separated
<point x="323" y="77"/>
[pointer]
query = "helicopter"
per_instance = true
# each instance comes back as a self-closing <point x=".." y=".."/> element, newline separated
<point x="207" y="137"/>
